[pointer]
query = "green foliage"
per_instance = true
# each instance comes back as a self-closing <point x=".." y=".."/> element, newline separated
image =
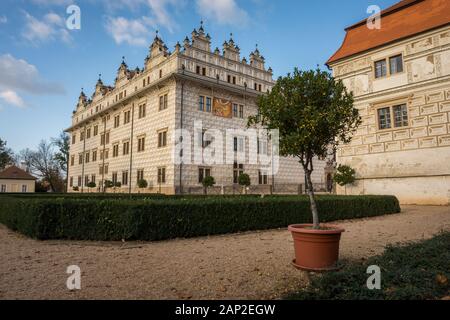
<point x="418" y="271"/>
<point x="311" y="110"/>
<point x="76" y="189"/>
<point x="6" y="155"/>
<point x="345" y="175"/>
<point x="142" y="184"/>
<point x="158" y="217"/>
<point x="208" y="182"/>
<point x="118" y="184"/>
<point x="91" y="185"/>
<point x="108" y="184"/>
<point x="244" y="180"/>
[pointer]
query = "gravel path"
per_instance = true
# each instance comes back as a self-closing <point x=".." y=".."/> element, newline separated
<point x="253" y="265"/>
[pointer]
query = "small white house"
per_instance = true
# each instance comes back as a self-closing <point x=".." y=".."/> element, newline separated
<point x="16" y="180"/>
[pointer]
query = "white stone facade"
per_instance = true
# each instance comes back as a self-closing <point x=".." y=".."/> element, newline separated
<point x="176" y="81"/>
<point x="411" y="161"/>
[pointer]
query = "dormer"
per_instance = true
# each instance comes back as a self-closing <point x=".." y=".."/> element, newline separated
<point x="230" y="50"/>
<point x="158" y="52"/>
<point x="82" y="101"/>
<point x="200" y="39"/>
<point x="256" y="59"/>
<point x="99" y="87"/>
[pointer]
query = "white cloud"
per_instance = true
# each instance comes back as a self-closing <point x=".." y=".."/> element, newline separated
<point x="222" y="11"/>
<point x="50" y="27"/>
<point x="18" y="76"/>
<point x="3" y="19"/>
<point x="52" y="2"/>
<point x="12" y="98"/>
<point x="133" y="32"/>
<point x="138" y="31"/>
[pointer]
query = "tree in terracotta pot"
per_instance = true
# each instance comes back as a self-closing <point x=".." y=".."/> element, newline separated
<point x="313" y="113"/>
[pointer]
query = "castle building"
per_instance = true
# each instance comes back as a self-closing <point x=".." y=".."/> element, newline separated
<point x="400" y="76"/>
<point x="130" y="132"/>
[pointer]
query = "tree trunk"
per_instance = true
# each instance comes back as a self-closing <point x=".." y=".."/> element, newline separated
<point x="312" y="200"/>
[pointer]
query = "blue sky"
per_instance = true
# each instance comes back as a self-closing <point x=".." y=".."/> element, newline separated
<point x="43" y="65"/>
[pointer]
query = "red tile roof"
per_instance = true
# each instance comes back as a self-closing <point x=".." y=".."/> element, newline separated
<point x="14" y="173"/>
<point x="404" y="19"/>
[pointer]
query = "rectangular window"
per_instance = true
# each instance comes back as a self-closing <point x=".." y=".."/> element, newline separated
<point x="71" y="182"/>
<point x="400" y="115"/>
<point x="163" y="102"/>
<point x="161" y="175"/>
<point x="235" y="110"/>
<point x="93" y="178"/>
<point x="234" y="80"/>
<point x="81" y="136"/>
<point x="126" y="148"/>
<point x="201" y="103"/>
<point x="126" y="117"/>
<point x="380" y="68"/>
<point x="88" y="133"/>
<point x="115" y="151"/>
<point x="94" y="156"/>
<point x="262" y="178"/>
<point x="86" y="181"/>
<point x="24" y="188"/>
<point x="262" y="147"/>
<point x="72" y="161"/>
<point x="197" y="70"/>
<point x="107" y="138"/>
<point x="102" y="139"/>
<point x="80" y="159"/>
<point x="95" y="131"/>
<point x="79" y="181"/>
<point x="204" y="71"/>
<point x="384" y="118"/>
<point x="114" y="178"/>
<point x="3" y="190"/>
<point x="241" y="111"/>
<point x="238" y="169"/>
<point x="396" y="64"/>
<point x="142" y="111"/>
<point x="239" y="144"/>
<point x="116" y="121"/>
<point x="208" y="104"/>
<point x="162" y="139"/>
<point x="141" y="144"/>
<point x="203" y="173"/>
<point x="74" y="138"/>
<point x="125" y="178"/>
<point x="87" y="157"/>
<point x="140" y="175"/>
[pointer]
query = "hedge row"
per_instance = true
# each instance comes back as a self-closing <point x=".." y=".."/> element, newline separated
<point x="114" y="219"/>
<point x="418" y="271"/>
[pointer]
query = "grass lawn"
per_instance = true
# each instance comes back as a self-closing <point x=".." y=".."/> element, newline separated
<point x="416" y="271"/>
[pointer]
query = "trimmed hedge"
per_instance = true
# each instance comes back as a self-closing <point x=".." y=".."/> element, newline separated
<point x="417" y="271"/>
<point x="148" y="218"/>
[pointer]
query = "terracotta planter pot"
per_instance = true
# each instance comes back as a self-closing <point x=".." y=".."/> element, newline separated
<point x="316" y="250"/>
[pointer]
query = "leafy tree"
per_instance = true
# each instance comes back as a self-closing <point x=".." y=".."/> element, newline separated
<point x="345" y="175"/>
<point x="42" y="163"/>
<point x="108" y="184"/>
<point x="62" y="155"/>
<point x="6" y="155"/>
<point x="207" y="183"/>
<point x="142" y="184"/>
<point x="313" y="113"/>
<point x="244" y="181"/>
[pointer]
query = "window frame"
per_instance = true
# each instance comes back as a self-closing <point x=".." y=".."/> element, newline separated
<point x="392" y="122"/>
